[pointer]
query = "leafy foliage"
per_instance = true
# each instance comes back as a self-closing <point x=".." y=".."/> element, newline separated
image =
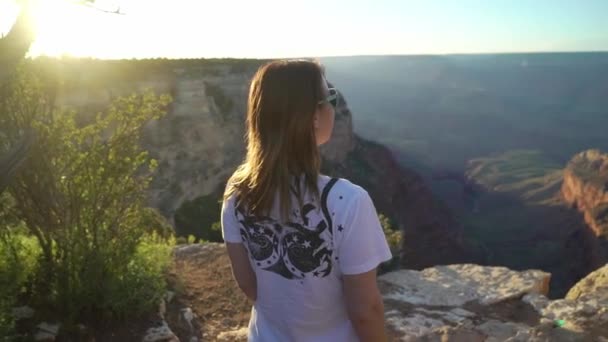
<point x="200" y="218"/>
<point x="141" y="287"/>
<point x="18" y="254"/>
<point x="394" y="238"/>
<point x="393" y="235"/>
<point x="81" y="194"/>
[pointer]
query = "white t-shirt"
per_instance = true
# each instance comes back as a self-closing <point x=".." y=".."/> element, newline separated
<point x="299" y="264"/>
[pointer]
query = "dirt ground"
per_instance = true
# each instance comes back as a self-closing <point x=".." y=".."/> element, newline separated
<point x="202" y="280"/>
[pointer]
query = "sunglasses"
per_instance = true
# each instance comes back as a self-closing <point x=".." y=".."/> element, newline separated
<point x="332" y="98"/>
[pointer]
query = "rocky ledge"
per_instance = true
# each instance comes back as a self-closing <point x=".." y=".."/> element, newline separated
<point x="462" y="302"/>
<point x="468" y="302"/>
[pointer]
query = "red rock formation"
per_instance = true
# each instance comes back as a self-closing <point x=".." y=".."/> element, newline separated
<point x="585" y="187"/>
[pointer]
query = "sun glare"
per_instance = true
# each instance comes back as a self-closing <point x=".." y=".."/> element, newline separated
<point x="71" y="28"/>
<point x="279" y="29"/>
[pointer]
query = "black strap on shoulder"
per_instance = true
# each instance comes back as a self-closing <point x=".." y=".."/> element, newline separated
<point x="324" y="195"/>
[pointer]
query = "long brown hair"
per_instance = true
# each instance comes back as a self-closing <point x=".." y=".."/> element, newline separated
<point x="280" y="136"/>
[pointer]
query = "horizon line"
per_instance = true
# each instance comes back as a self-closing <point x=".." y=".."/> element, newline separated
<point x="68" y="56"/>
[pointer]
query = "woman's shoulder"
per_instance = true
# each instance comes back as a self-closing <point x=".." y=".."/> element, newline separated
<point x="342" y="189"/>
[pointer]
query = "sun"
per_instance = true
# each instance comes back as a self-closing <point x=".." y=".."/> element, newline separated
<point x="65" y="27"/>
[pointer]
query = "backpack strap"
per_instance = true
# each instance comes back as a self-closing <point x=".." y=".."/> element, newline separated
<point x="324" y="196"/>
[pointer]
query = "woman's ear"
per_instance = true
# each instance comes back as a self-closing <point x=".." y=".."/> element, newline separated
<point x="315" y="120"/>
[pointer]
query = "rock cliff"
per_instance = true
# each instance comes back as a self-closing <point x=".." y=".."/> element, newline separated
<point x="585" y="187"/>
<point x="432" y="236"/>
<point x="200" y="142"/>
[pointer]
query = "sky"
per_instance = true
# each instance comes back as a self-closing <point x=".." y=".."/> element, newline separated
<point x="311" y="28"/>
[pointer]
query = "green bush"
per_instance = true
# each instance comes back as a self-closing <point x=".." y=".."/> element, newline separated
<point x="199" y="218"/>
<point x="393" y="235"/>
<point x="143" y="284"/>
<point x="18" y="255"/>
<point x="81" y="193"/>
<point x="394" y="238"/>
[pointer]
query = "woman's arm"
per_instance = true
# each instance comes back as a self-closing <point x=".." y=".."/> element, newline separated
<point x="364" y="306"/>
<point x="241" y="269"/>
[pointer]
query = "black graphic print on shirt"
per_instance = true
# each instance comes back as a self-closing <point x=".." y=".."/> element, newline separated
<point x="292" y="249"/>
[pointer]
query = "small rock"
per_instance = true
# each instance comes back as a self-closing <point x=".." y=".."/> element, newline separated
<point x="537" y="301"/>
<point x="169" y="296"/>
<point x="81" y="327"/>
<point x="546" y="322"/>
<point x="46" y="332"/>
<point x="503" y="331"/>
<point x="451" y="334"/>
<point x="588" y="309"/>
<point x="44" y="336"/>
<point x="162" y="309"/>
<point x="23" y="312"/>
<point x="162" y="333"/>
<point x="234" y="335"/>
<point x="188" y="314"/>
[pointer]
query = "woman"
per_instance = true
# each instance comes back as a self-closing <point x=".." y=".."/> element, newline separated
<point x="303" y="247"/>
